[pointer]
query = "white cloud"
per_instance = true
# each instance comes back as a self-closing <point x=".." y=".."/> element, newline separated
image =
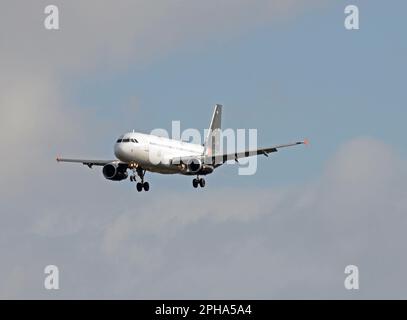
<point x="111" y="34"/>
<point x="167" y="217"/>
<point x="223" y="243"/>
<point x="272" y="243"/>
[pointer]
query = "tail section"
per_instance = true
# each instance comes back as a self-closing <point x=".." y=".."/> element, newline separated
<point x="212" y="141"/>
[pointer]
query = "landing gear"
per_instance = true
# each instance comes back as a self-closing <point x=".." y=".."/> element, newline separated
<point x="133" y="167"/>
<point x="141" y="185"/>
<point x="195" y="183"/>
<point x="198" y="181"/>
<point x="146" y="186"/>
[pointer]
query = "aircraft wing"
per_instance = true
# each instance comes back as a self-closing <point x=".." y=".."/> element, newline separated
<point x="219" y="159"/>
<point x="89" y="163"/>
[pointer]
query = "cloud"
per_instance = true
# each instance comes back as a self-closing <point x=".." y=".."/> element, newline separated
<point x="34" y="121"/>
<point x="289" y="242"/>
<point x="168" y="217"/>
<point x="274" y="243"/>
<point x="114" y="33"/>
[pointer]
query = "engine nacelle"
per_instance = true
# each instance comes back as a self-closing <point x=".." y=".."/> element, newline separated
<point x="195" y="166"/>
<point x="112" y="171"/>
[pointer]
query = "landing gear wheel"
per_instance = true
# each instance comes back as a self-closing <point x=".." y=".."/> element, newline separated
<point x="146" y="186"/>
<point x="139" y="187"/>
<point x="195" y="183"/>
<point x="202" y="182"/>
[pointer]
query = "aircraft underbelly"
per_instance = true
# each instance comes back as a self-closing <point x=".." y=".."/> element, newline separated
<point x="158" y="163"/>
<point x="154" y="159"/>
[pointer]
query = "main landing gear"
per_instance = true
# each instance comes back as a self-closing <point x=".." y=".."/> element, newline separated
<point x="140" y="185"/>
<point x="198" y="181"/>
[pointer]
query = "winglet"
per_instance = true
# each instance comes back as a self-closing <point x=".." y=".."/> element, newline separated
<point x="58" y="158"/>
<point x="306" y="142"/>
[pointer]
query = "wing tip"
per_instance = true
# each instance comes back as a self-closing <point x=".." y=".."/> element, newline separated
<point x="306" y="142"/>
<point x="58" y="158"/>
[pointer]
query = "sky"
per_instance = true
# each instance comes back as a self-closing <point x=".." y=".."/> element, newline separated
<point x="286" y="68"/>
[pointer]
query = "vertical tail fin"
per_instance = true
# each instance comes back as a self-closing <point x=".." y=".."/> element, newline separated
<point x="212" y="141"/>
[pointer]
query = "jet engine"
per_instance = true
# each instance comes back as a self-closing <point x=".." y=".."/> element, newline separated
<point x="113" y="171"/>
<point x="195" y="166"/>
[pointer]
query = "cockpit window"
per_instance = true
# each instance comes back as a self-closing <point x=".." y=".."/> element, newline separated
<point x="127" y="140"/>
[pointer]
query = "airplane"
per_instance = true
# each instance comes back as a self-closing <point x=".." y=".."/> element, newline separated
<point x="134" y="151"/>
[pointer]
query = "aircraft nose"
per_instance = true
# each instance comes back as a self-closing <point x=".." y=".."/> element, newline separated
<point x="119" y="150"/>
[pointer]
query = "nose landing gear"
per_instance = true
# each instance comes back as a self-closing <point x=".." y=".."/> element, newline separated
<point x="140" y="185"/>
<point x="198" y="181"/>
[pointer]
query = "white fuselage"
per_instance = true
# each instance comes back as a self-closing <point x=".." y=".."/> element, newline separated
<point x="152" y="152"/>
